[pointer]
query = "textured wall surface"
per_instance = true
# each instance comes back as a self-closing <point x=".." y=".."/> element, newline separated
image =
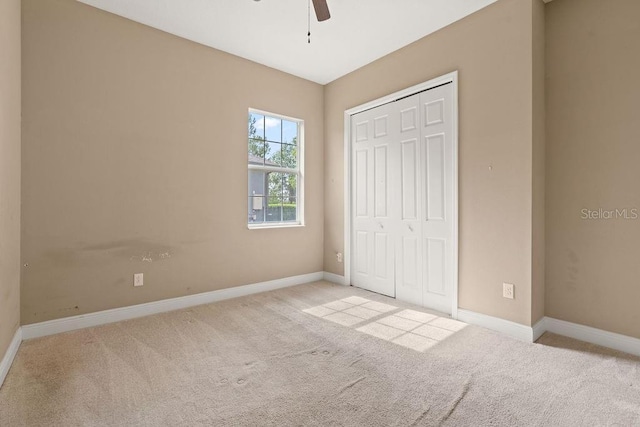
<point x="9" y="171"/>
<point x="493" y="52"/>
<point x="135" y="161"/>
<point x="538" y="164"/>
<point x="593" y="152"/>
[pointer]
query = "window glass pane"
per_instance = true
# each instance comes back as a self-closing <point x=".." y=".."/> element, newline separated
<point x="273" y="129"/>
<point x="256" y="126"/>
<point x="289" y="156"/>
<point x="256" y="151"/>
<point x="257" y="182"/>
<point x="275" y="185"/>
<point x="289" y="132"/>
<point x="257" y="197"/>
<point x="289" y="209"/>
<point x="273" y="156"/>
<point x="274" y="209"/>
<point x="257" y="205"/>
<point x="289" y="187"/>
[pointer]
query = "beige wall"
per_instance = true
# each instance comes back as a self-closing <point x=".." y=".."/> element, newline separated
<point x="134" y="146"/>
<point x="493" y="52"/>
<point x="9" y="171"/>
<point x="132" y="140"/>
<point x="593" y="152"/>
<point x="539" y="146"/>
<point x="133" y="137"/>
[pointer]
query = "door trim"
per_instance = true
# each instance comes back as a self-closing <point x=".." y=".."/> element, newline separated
<point x="447" y="78"/>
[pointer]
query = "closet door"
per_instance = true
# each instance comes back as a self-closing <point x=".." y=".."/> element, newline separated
<point x="438" y="197"/>
<point x="374" y="155"/>
<point x="409" y="244"/>
<point x="403" y="199"/>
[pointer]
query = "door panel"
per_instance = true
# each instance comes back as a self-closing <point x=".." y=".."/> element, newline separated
<point x="380" y="126"/>
<point x="438" y="223"/>
<point x="372" y="158"/>
<point x="362" y="131"/>
<point x="434" y="111"/>
<point x="408" y="225"/>
<point x="402" y="205"/>
<point x="362" y="172"/>
<point x="381" y="181"/>
<point x="362" y="253"/>
<point x="382" y="255"/>
<point x="435" y="250"/>
<point x="409" y="119"/>
<point x="410" y="258"/>
<point x="435" y="174"/>
<point x="408" y="173"/>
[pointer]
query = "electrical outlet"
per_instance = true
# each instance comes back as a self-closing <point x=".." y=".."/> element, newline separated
<point x="339" y="256"/>
<point x="138" y="279"/>
<point x="508" y="290"/>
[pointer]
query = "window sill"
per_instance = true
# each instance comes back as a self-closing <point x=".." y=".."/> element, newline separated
<point x="275" y="225"/>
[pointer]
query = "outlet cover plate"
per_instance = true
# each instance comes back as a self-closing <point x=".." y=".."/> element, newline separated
<point x="508" y="290"/>
<point x="138" y="279"/>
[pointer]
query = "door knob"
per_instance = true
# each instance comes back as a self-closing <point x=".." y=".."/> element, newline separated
<point x="410" y="228"/>
<point x="381" y="226"/>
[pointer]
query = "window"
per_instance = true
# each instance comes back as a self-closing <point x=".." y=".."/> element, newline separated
<point x="275" y="146"/>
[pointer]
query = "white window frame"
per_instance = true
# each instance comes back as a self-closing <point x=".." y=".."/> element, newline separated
<point x="299" y="171"/>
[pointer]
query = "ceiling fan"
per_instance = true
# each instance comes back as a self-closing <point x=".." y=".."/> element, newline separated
<point x="322" y="10"/>
<point x="322" y="14"/>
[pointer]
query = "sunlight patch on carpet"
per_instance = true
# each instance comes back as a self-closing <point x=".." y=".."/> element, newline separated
<point x="409" y="328"/>
<point x="350" y="311"/>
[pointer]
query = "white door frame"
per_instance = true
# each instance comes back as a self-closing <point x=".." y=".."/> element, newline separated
<point x="447" y="78"/>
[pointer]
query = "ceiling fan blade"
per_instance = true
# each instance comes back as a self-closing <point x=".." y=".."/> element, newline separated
<point x="322" y="10"/>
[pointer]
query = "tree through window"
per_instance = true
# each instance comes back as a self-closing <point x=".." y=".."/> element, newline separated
<point x="274" y="169"/>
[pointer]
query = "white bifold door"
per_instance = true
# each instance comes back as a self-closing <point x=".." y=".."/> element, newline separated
<point x="403" y="199"/>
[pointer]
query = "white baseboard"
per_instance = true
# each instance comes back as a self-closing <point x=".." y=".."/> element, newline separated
<point x="592" y="335"/>
<point x="67" y="324"/>
<point x="10" y="354"/>
<point x="515" y="330"/>
<point x="539" y="329"/>
<point x="512" y="329"/>
<point x="334" y="278"/>
<point x="548" y="324"/>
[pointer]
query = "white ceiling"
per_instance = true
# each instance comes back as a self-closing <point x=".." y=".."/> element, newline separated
<point x="274" y="32"/>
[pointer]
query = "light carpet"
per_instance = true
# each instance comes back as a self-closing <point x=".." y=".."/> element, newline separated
<point x="318" y="355"/>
